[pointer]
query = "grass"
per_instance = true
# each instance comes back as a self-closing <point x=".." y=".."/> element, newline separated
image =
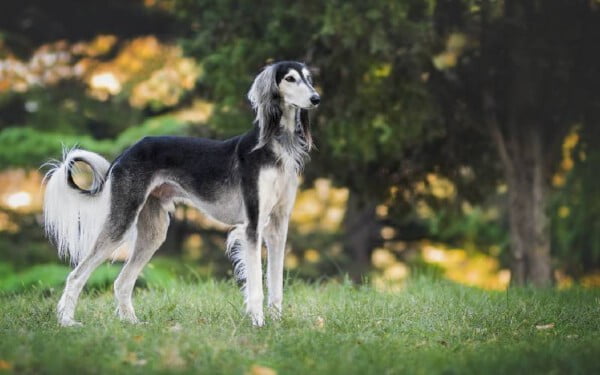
<point x="430" y="327"/>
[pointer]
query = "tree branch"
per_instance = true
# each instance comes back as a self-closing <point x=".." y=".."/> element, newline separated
<point x="491" y="121"/>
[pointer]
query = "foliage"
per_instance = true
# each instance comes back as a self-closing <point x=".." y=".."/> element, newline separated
<point x="506" y="67"/>
<point x="375" y="105"/>
<point x="576" y="217"/>
<point x="22" y="146"/>
<point x="430" y="327"/>
<point x="51" y="276"/>
<point x="378" y="118"/>
<point x="403" y="111"/>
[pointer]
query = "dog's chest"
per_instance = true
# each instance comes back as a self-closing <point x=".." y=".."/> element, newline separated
<point x="276" y="185"/>
<point x="290" y="154"/>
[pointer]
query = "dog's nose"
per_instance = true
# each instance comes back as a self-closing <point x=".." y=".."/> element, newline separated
<point x="315" y="99"/>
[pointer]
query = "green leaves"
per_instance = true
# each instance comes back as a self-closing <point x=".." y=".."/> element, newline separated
<point x="367" y="66"/>
<point x="20" y="146"/>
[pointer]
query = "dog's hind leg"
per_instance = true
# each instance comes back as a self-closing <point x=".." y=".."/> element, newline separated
<point x="77" y="278"/>
<point x="125" y="206"/>
<point x="152" y="225"/>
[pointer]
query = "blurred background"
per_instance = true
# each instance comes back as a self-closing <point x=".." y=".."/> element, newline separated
<point x="457" y="138"/>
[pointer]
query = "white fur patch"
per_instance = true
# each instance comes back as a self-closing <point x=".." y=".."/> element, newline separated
<point x="296" y="93"/>
<point x="293" y="151"/>
<point x="73" y="220"/>
<point x="269" y="192"/>
<point x="306" y="73"/>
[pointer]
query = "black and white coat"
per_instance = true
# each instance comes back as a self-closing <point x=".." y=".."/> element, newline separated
<point x="248" y="181"/>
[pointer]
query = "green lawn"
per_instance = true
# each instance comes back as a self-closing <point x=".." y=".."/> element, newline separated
<point x="430" y="327"/>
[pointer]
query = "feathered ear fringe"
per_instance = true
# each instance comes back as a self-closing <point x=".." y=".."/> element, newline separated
<point x="265" y="100"/>
<point x="305" y="126"/>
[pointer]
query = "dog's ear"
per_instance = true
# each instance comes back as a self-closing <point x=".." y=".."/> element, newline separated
<point x="265" y="100"/>
<point x="305" y="127"/>
<point x="268" y="122"/>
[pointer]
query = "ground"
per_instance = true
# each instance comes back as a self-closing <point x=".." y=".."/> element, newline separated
<point x="327" y="328"/>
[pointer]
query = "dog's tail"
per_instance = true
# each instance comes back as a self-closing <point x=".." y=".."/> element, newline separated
<point x="74" y="217"/>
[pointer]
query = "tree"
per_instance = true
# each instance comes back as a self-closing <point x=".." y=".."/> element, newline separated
<point x="528" y="72"/>
<point x="472" y="90"/>
<point x="86" y="74"/>
<point x="369" y="58"/>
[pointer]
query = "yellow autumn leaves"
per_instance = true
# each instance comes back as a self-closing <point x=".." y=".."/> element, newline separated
<point x="144" y="70"/>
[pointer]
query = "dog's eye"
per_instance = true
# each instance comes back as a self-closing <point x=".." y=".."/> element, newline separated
<point x="290" y="79"/>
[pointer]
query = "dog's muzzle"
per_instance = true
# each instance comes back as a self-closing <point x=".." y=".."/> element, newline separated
<point x="315" y="100"/>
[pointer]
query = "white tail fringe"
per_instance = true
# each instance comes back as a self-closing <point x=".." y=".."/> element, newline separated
<point x="74" y="218"/>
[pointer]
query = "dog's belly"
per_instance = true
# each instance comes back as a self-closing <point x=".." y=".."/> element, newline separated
<point x="228" y="208"/>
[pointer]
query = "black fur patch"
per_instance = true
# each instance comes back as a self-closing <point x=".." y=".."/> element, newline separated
<point x="284" y="67"/>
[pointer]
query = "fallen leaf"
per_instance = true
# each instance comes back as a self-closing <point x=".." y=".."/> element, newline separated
<point x="5" y="365"/>
<point x="138" y="338"/>
<point x="133" y="359"/>
<point x="171" y="358"/>
<point x="319" y="322"/>
<point x="542" y="327"/>
<point x="261" y="370"/>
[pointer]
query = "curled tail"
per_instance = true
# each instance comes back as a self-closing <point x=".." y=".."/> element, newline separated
<point x="74" y="217"/>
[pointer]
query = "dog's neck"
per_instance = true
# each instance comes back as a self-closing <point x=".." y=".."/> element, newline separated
<point x="287" y="145"/>
<point x="289" y="118"/>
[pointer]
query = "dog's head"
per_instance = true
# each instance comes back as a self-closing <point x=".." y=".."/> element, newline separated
<point x="280" y="85"/>
<point x="295" y="85"/>
<point x="286" y="82"/>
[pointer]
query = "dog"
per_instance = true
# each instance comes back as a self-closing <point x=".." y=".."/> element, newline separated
<point x="248" y="182"/>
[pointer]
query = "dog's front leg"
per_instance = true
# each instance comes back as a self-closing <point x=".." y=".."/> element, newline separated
<point x="252" y="259"/>
<point x="275" y="237"/>
<point x="259" y="200"/>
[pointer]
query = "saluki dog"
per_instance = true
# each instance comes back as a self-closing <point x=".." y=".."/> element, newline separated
<point x="248" y="182"/>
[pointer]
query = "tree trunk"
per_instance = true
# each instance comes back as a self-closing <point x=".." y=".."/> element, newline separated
<point x="524" y="169"/>
<point x="529" y="237"/>
<point x="360" y="234"/>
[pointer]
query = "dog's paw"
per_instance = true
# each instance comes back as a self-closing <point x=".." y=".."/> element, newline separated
<point x="69" y="323"/>
<point x="130" y="319"/>
<point x="254" y="310"/>
<point x="65" y="315"/>
<point x="258" y="321"/>
<point x="127" y="316"/>
<point x="274" y="312"/>
<point x="257" y="318"/>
